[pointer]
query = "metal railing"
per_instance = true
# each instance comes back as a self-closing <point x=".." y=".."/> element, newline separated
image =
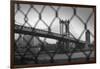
<point x="30" y="48"/>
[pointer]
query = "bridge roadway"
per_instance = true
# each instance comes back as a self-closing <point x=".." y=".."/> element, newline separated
<point x="42" y="33"/>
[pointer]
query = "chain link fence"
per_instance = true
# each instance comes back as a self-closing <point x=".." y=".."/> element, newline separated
<point x="53" y="34"/>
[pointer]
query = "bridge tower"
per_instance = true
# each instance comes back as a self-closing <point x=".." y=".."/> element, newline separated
<point x="64" y="31"/>
<point x="87" y="37"/>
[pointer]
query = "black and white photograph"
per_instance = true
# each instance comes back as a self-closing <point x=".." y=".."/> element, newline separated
<point x="52" y="34"/>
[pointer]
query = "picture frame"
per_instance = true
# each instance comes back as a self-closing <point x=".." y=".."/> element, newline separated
<point x="52" y="39"/>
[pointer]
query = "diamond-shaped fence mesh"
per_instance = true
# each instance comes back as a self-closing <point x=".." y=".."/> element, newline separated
<point x="53" y="34"/>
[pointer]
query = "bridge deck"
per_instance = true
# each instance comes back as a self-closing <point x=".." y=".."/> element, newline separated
<point x="37" y="32"/>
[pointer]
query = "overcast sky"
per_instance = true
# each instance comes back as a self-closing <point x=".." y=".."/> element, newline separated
<point x="48" y="14"/>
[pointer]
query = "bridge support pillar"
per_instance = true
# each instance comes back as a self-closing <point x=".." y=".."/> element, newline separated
<point x="87" y="39"/>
